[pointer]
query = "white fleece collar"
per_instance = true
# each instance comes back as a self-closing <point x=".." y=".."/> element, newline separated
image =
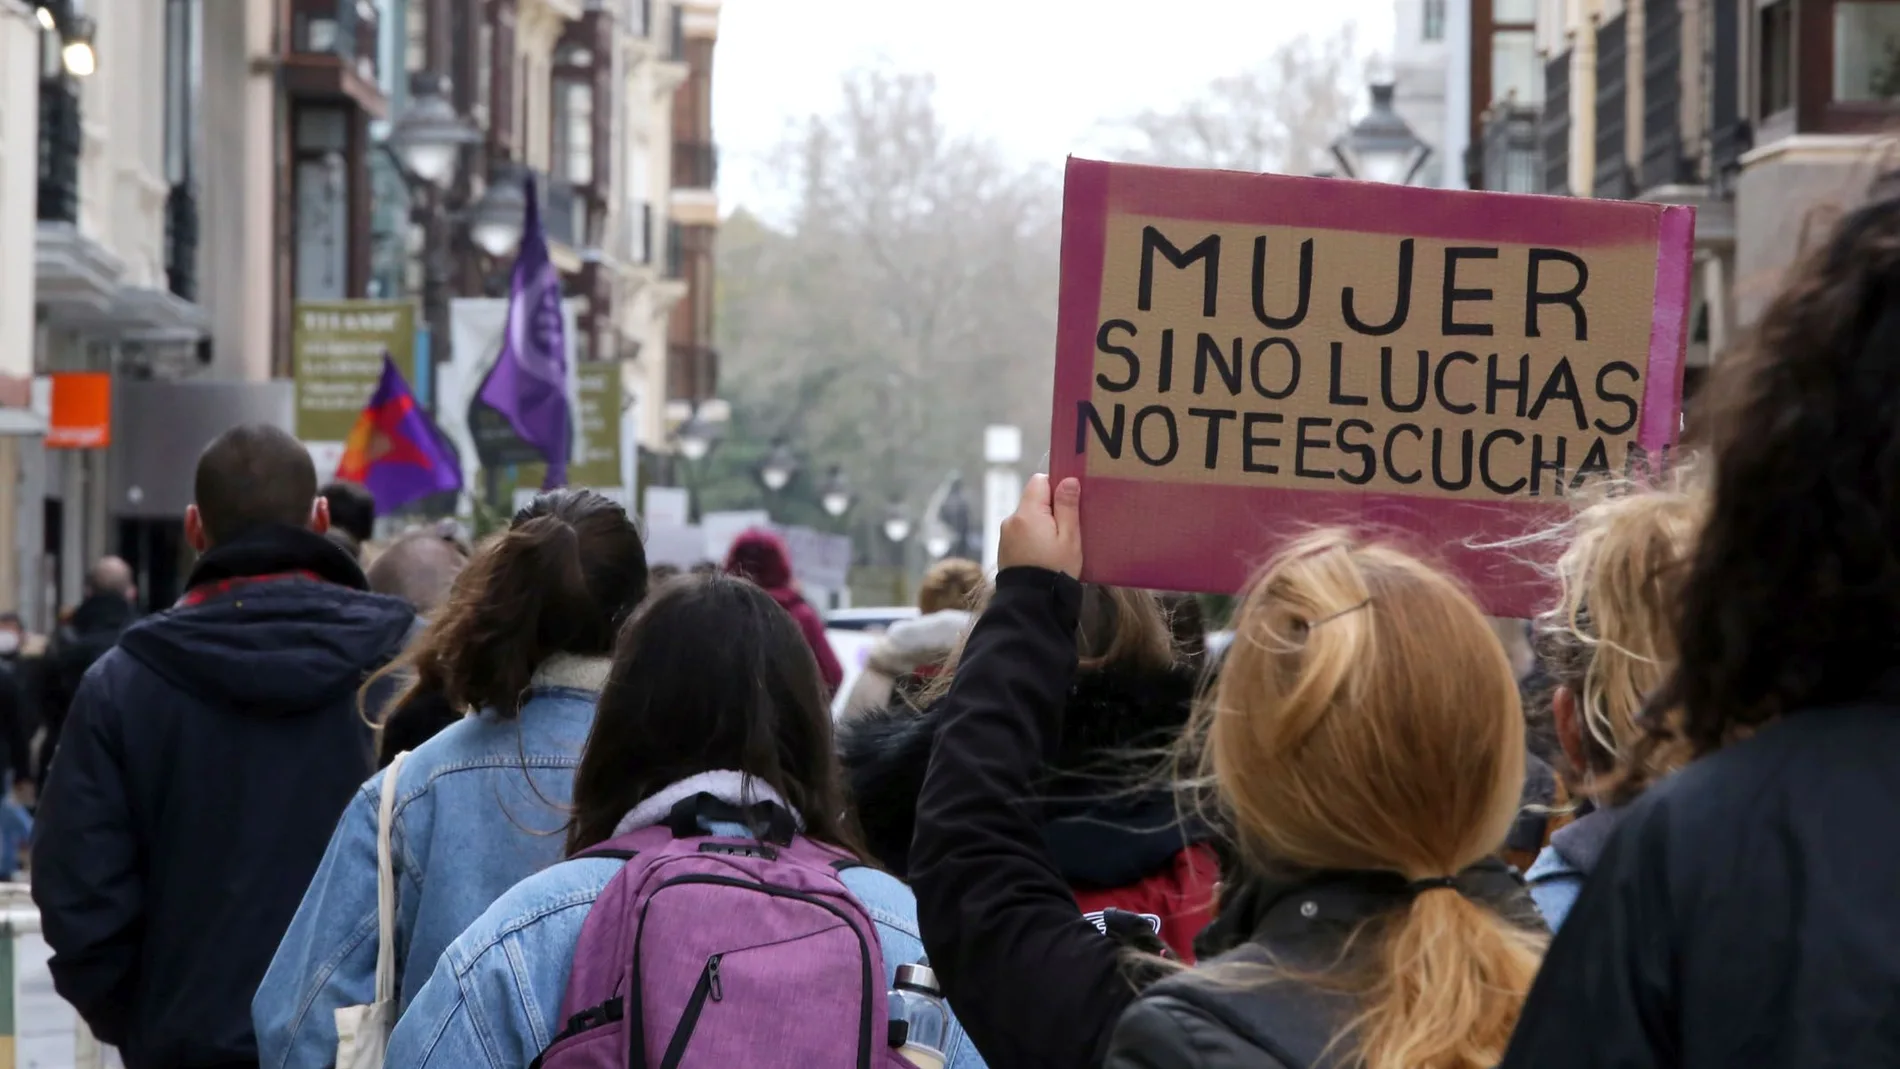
<point x="572" y="672"/>
<point x="733" y="788"/>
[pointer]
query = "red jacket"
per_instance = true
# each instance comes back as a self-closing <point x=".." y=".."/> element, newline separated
<point x="760" y="555"/>
<point x="1182" y="896"/>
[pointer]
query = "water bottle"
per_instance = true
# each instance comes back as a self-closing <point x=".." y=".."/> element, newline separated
<point x="918" y="1002"/>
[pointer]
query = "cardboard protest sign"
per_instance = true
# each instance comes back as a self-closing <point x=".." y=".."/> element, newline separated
<point x="1241" y="357"/>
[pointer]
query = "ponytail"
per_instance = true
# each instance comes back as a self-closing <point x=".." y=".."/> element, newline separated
<point x="1449" y="979"/>
<point x="562" y="579"/>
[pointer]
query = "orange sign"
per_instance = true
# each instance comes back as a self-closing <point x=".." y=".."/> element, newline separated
<point x="82" y="411"/>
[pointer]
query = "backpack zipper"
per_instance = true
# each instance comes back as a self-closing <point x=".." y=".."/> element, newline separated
<point x="676" y="1047"/>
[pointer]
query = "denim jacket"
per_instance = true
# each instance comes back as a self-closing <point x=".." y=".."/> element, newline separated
<point x="495" y="998"/>
<point x="469" y="823"/>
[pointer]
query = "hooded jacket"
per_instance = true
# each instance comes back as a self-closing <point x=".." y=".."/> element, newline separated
<point x="760" y="555"/>
<point x="205" y="763"/>
<point x="1117" y="840"/>
<point x="1743" y="913"/>
<point x="909" y="650"/>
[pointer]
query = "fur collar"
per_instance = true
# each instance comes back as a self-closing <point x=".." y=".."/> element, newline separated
<point x="573" y="672"/>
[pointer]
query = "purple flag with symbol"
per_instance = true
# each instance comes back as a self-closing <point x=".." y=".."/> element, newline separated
<point x="528" y="383"/>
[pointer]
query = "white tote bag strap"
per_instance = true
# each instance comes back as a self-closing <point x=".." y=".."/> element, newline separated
<point x="386" y="886"/>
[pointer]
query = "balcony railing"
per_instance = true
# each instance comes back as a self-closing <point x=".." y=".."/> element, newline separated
<point x="695" y="165"/>
<point x="1613" y="178"/>
<point x="342" y="28"/>
<point x="181" y="241"/>
<point x="1553" y="129"/>
<point x="1512" y="160"/>
<point x="563" y="211"/>
<point x="59" y="151"/>
<point x="1665" y="161"/>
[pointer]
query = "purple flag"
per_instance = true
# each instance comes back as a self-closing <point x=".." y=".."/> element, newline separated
<point x="528" y="383"/>
<point x="395" y="450"/>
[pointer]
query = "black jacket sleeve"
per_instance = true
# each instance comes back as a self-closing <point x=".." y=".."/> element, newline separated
<point x="1166" y="1033"/>
<point x="13" y="732"/>
<point x="1605" y="994"/>
<point x="86" y="878"/>
<point x="1031" y="981"/>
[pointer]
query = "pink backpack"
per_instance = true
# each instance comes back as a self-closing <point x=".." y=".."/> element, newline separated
<point x="707" y="952"/>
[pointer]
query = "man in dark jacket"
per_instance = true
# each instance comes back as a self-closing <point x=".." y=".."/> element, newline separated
<point x="205" y="762"/>
<point x="102" y="615"/>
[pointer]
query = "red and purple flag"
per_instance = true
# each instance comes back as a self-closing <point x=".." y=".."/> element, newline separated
<point x="395" y="449"/>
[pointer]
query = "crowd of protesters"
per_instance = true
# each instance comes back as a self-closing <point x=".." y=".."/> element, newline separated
<point x="616" y="824"/>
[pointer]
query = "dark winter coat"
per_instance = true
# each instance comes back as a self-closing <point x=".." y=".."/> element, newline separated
<point x="95" y="628"/>
<point x="1743" y="914"/>
<point x="1107" y="824"/>
<point x="206" y="761"/>
<point x="760" y="556"/>
<point x="1301" y="923"/>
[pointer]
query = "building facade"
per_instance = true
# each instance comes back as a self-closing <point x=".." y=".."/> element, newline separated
<point x="1423" y="58"/>
<point x="693" y="215"/>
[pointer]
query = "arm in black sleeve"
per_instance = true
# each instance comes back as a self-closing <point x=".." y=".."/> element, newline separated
<point x="86" y="878"/>
<point x="1033" y="983"/>
<point x="13" y="725"/>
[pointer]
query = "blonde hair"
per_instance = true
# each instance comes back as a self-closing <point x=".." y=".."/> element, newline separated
<point x="950" y="584"/>
<point x="1610" y="639"/>
<point x="1366" y="718"/>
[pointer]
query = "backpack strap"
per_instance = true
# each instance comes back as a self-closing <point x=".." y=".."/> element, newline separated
<point x="845" y="864"/>
<point x="689" y="817"/>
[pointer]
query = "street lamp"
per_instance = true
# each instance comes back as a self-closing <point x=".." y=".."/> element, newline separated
<point x="779" y="467"/>
<point x="495" y="222"/>
<point x="694" y="439"/>
<point x="836" y="496"/>
<point x="428" y="136"/>
<point x="1381" y="147"/>
<point x="76" y="54"/>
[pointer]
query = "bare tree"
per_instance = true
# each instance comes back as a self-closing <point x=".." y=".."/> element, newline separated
<point x="908" y="301"/>
<point x="1281" y="115"/>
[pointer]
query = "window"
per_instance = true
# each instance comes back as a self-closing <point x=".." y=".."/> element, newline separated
<point x="574" y="131"/>
<point x="1434" y="20"/>
<point x="1516" y="74"/>
<point x="1866" y="50"/>
<point x="322" y="204"/>
<point x="416" y="16"/>
<point x="1513" y="11"/>
<point x="181" y="87"/>
<point x="1777" y="57"/>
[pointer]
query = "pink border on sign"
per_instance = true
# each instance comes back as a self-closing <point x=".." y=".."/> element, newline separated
<point x="1254" y="525"/>
<point x="1668" y="330"/>
<point x="1146" y="552"/>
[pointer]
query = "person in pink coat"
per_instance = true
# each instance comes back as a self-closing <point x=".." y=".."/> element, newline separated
<point x="760" y="555"/>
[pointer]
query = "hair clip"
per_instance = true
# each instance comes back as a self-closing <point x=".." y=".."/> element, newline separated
<point x="1340" y="613"/>
<point x="1431" y="883"/>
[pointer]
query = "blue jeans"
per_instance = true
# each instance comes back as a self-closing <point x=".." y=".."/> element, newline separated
<point x="16" y="829"/>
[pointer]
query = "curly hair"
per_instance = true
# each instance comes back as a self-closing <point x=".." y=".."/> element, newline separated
<point x="1792" y="598"/>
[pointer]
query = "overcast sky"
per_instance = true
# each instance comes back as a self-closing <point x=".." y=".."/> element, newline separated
<point x="1040" y="76"/>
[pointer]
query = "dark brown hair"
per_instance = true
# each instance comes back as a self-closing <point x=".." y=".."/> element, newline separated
<point x="253" y="476"/>
<point x="1792" y="598"/>
<point x="711" y="675"/>
<point x="565" y="575"/>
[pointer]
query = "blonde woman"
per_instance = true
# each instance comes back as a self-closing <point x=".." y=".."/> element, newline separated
<point x="1366" y="741"/>
<point x="1606" y="645"/>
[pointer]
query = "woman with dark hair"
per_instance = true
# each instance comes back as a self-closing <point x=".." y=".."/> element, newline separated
<point x="712" y="699"/>
<point x="1112" y="824"/>
<point x="522" y="646"/>
<point x="1744" y="912"/>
